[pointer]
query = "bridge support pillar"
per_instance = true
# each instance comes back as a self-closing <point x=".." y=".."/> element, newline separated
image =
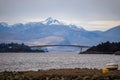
<point x="80" y="50"/>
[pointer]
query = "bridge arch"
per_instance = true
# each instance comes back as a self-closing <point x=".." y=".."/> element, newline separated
<point x="78" y="46"/>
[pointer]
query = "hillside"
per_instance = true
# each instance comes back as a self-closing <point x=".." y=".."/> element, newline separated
<point x="15" y="47"/>
<point x="52" y="31"/>
<point x="105" y="48"/>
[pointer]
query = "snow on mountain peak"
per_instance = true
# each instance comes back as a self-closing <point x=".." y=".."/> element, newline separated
<point x="3" y="24"/>
<point x="75" y="27"/>
<point x="51" y="21"/>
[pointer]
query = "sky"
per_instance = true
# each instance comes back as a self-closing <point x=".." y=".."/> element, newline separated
<point x="89" y="14"/>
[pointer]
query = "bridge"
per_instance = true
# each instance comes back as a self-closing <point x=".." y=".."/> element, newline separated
<point x="78" y="46"/>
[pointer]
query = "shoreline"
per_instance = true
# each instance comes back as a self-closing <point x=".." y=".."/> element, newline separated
<point x="61" y="74"/>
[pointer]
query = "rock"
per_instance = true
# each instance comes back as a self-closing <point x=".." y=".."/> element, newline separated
<point x="117" y="53"/>
<point x="112" y="66"/>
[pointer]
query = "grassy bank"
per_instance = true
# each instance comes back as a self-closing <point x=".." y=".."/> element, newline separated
<point x="61" y="74"/>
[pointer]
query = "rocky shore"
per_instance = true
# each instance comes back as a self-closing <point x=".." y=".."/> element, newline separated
<point x="61" y="74"/>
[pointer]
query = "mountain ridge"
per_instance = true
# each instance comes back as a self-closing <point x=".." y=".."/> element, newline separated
<point x="37" y="32"/>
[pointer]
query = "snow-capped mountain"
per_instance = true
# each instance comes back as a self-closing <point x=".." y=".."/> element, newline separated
<point x="52" y="31"/>
<point x="72" y="26"/>
<point x="113" y="34"/>
<point x="51" y="21"/>
<point x="3" y="24"/>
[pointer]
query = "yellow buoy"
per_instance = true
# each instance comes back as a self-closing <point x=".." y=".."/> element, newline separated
<point x="105" y="70"/>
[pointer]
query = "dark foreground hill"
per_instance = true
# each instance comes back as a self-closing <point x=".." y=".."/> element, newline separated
<point x="15" y="47"/>
<point x="105" y="48"/>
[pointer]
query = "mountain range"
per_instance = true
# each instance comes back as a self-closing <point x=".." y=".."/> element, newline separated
<point x="52" y="31"/>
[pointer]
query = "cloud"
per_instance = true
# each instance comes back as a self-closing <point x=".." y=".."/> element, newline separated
<point x="77" y="9"/>
<point x="13" y="11"/>
<point x="100" y="25"/>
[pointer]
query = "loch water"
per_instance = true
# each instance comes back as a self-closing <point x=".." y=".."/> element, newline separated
<point x="54" y="60"/>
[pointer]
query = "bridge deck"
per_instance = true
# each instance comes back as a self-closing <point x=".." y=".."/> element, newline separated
<point x="61" y="45"/>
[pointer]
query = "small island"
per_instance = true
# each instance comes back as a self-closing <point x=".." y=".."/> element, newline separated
<point x="104" y="48"/>
<point x="15" y="47"/>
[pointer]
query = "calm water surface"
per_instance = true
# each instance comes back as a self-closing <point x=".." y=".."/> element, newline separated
<point x="35" y="61"/>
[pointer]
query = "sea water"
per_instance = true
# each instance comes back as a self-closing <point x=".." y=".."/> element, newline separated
<point x="54" y="60"/>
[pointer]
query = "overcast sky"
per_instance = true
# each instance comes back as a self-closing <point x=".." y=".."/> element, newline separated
<point x="90" y="14"/>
